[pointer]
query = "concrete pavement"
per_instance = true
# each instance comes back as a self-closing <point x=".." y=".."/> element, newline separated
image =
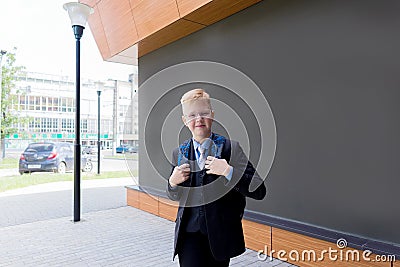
<point x="36" y="229"/>
<point x="55" y="200"/>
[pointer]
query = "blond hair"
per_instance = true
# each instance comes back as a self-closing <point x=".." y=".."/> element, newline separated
<point x="194" y="95"/>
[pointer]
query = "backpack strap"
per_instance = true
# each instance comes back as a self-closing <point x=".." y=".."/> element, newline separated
<point x="226" y="150"/>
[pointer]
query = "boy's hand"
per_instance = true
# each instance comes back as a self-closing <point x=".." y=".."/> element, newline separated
<point x="179" y="175"/>
<point x="217" y="166"/>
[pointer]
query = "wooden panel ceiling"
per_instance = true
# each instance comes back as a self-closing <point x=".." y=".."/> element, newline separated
<point x="218" y="10"/>
<point x="134" y="3"/>
<point x="169" y="34"/>
<point x="97" y="29"/>
<point x="120" y="24"/>
<point x="153" y="15"/>
<point x="188" y="6"/>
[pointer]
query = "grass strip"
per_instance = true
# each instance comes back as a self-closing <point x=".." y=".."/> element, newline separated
<point x="20" y="181"/>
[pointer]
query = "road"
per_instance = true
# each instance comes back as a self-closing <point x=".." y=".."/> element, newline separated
<point x="106" y="164"/>
<point x="16" y="152"/>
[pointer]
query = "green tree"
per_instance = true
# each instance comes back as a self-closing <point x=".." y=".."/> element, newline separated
<point x="8" y="116"/>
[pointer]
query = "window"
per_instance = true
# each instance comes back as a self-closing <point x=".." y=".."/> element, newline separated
<point x="92" y="126"/>
<point x="128" y="128"/>
<point x="50" y="104"/>
<point x="44" y="103"/>
<point x="31" y="104"/>
<point x="71" y="125"/>
<point x="48" y="125"/>
<point x="37" y="102"/>
<point x="43" y="125"/>
<point x="40" y="147"/>
<point x="63" y="104"/>
<point x="70" y="105"/>
<point x="55" y="104"/>
<point x="84" y="126"/>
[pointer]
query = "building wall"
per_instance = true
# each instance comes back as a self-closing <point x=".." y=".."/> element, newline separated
<point x="48" y="104"/>
<point x="329" y="70"/>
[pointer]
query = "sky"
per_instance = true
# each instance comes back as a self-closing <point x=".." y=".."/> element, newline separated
<point x="42" y="32"/>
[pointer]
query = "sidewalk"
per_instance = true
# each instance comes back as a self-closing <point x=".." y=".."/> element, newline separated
<point x="109" y="234"/>
<point x="55" y="200"/>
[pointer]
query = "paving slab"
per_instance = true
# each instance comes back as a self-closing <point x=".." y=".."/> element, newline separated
<point x="36" y="229"/>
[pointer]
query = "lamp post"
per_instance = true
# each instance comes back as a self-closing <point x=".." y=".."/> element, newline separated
<point x="115" y="117"/>
<point x="99" y="90"/>
<point x="78" y="13"/>
<point x="2" y="53"/>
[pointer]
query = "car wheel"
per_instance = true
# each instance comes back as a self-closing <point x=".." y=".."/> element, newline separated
<point x="21" y="173"/>
<point x="61" y="167"/>
<point x="88" y="166"/>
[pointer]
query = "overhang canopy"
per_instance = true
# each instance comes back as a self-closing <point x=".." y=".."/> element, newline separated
<point x="127" y="29"/>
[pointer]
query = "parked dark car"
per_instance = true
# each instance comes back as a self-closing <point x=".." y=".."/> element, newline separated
<point x="126" y="148"/>
<point x="50" y="157"/>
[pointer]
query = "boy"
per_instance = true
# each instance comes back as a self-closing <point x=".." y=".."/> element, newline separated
<point x="210" y="178"/>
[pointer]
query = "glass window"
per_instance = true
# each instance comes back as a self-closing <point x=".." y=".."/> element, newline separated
<point x="55" y="125"/>
<point x="55" y="104"/>
<point x="40" y="147"/>
<point x="37" y="102"/>
<point x="44" y="103"/>
<point x="50" y="104"/>
<point x="84" y="125"/>
<point x="22" y="99"/>
<point x="63" y="104"/>
<point x="72" y="125"/>
<point x="48" y="125"/>
<point x="22" y="102"/>
<point x="70" y="105"/>
<point x="31" y="103"/>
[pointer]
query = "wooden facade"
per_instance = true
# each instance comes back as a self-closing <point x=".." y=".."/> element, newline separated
<point x="118" y="25"/>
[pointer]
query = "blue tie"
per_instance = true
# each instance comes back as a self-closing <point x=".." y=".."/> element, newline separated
<point x="202" y="158"/>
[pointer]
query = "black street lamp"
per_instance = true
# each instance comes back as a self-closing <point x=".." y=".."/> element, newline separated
<point x="78" y="13"/>
<point x="99" y="90"/>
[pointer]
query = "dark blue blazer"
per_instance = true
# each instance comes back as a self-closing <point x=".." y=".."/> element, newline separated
<point x="224" y="201"/>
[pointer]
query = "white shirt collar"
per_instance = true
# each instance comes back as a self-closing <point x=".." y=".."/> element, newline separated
<point x="204" y="145"/>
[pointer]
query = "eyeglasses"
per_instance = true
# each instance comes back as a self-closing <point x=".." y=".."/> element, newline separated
<point x="202" y="114"/>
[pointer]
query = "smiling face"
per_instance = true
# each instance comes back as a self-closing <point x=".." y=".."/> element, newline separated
<point x="198" y="117"/>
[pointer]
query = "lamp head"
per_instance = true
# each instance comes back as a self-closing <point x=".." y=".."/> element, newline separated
<point x="99" y="87"/>
<point x="78" y="13"/>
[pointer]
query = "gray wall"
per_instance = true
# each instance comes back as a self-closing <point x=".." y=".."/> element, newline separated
<point x="330" y="72"/>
